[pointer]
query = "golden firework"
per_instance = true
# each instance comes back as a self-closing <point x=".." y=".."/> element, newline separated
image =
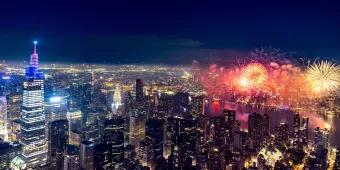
<point x="324" y="77"/>
<point x="253" y="75"/>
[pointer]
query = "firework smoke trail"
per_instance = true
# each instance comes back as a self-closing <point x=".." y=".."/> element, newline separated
<point x="324" y="77"/>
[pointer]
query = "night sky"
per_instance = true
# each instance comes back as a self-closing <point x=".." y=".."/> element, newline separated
<point x="168" y="33"/>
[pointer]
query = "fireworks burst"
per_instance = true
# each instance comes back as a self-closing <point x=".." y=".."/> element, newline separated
<point x="323" y="76"/>
<point x="265" y="79"/>
<point x="253" y="75"/>
<point x="269" y="79"/>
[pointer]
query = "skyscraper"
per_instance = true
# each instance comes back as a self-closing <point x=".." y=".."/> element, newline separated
<point x="296" y="128"/>
<point x="300" y="130"/>
<point x="182" y="134"/>
<point x="266" y="125"/>
<point x="3" y="118"/>
<point x="145" y="152"/>
<point x="218" y="132"/>
<point x="71" y="157"/>
<point x="154" y="132"/>
<point x="74" y="117"/>
<point x="196" y="70"/>
<point x="233" y="125"/>
<point x="102" y="156"/>
<point x="181" y="103"/>
<point x="116" y="101"/>
<point x="86" y="155"/>
<point x="136" y="129"/>
<point x="32" y="117"/>
<point x="57" y="140"/>
<point x="139" y="90"/>
<point x="114" y="138"/>
<point x="282" y="134"/>
<point x="218" y="141"/>
<point x="255" y="129"/>
<point x="197" y="105"/>
<point x="117" y="97"/>
<point x="239" y="141"/>
<point x="321" y="137"/>
<point x="304" y="130"/>
<point x="56" y="108"/>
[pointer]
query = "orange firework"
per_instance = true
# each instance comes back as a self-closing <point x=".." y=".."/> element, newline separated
<point x="253" y="75"/>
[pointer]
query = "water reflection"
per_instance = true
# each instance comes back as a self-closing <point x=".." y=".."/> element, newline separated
<point x="277" y="115"/>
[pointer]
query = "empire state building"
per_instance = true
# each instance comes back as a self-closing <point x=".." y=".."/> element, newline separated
<point x="33" y="136"/>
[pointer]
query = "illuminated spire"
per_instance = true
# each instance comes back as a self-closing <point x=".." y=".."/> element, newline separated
<point x="117" y="99"/>
<point x="35" y="47"/>
<point x="34" y="57"/>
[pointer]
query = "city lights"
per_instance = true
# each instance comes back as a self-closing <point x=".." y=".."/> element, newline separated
<point x="55" y="99"/>
<point x="181" y="86"/>
<point x="262" y="109"/>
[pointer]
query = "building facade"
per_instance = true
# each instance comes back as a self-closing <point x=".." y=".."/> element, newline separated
<point x="3" y="119"/>
<point x="33" y="137"/>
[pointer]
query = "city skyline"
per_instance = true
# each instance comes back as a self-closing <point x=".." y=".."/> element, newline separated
<point x="119" y="119"/>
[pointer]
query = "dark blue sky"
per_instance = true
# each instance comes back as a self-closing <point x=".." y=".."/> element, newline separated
<point x="165" y="32"/>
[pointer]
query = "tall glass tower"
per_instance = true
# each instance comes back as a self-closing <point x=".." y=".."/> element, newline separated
<point x="33" y="137"/>
<point x="3" y="118"/>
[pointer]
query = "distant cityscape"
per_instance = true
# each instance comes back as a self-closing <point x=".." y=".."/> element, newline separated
<point x="159" y="117"/>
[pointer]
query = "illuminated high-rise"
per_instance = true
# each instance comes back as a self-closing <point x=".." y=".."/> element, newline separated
<point x="3" y="118"/>
<point x="181" y="136"/>
<point x="154" y="132"/>
<point x="74" y="117"/>
<point x="56" y="108"/>
<point x="114" y="138"/>
<point x="136" y="129"/>
<point x="117" y="100"/>
<point x="255" y="129"/>
<point x="33" y="136"/>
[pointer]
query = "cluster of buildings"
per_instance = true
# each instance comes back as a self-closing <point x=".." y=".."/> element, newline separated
<point x="88" y="124"/>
